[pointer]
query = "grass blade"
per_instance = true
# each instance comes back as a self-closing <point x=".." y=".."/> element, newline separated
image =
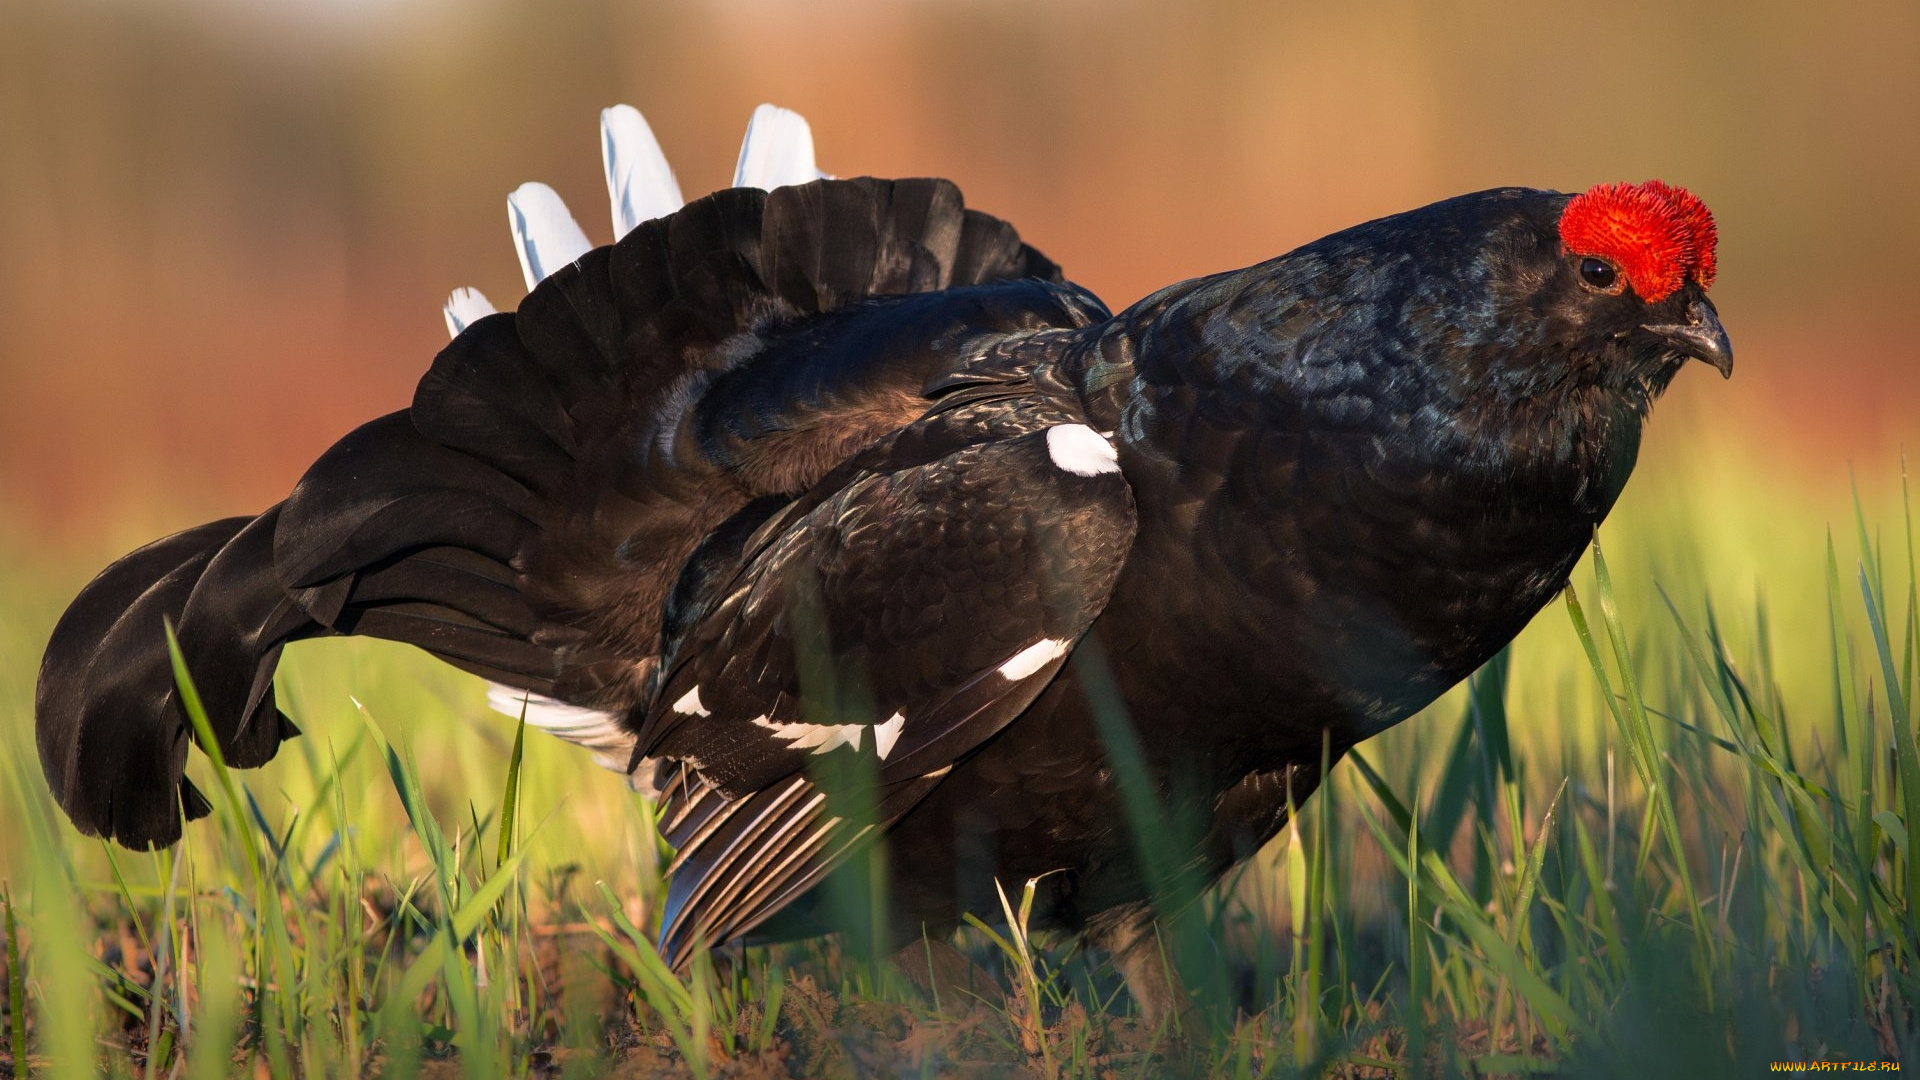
<point x="1906" y="758"/>
<point x="16" y="990"/>
<point x="510" y="799"/>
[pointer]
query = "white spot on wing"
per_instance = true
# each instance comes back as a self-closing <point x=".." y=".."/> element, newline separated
<point x="1033" y="657"/>
<point x="640" y="184"/>
<point x="843" y="735"/>
<point x="1080" y="450"/>
<point x="885" y="735"/>
<point x="819" y="738"/>
<point x="464" y="308"/>
<point x="689" y="703"/>
<point x="545" y="236"/>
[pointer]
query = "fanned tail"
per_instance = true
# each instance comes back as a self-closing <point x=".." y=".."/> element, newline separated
<point x="111" y="731"/>
<point x="526" y="517"/>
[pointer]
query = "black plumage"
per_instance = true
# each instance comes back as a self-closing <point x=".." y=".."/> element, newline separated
<point x="848" y="472"/>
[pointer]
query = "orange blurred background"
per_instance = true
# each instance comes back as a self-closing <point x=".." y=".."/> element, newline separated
<point x="229" y="226"/>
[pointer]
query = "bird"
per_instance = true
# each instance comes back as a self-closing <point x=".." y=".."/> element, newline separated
<point x="817" y="489"/>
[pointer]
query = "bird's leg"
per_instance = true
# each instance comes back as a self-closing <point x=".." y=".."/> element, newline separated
<point x="1132" y="938"/>
<point x="942" y="972"/>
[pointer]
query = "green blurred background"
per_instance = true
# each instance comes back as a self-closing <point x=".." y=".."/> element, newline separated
<point x="229" y="226"/>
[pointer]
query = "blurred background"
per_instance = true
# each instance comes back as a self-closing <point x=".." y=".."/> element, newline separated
<point x="229" y="226"/>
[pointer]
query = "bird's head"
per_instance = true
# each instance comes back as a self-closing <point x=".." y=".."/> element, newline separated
<point x="1499" y="296"/>
<point x="1640" y="259"/>
<point x="1567" y="316"/>
<point x="1513" y="325"/>
<point x="1598" y="298"/>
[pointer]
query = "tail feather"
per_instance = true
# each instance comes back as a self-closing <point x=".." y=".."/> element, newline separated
<point x="386" y="488"/>
<point x="464" y="308"/>
<point x="232" y="628"/>
<point x="991" y="247"/>
<point x="640" y="183"/>
<point x="395" y="535"/>
<point x="824" y="243"/>
<point x="544" y="233"/>
<point x="483" y="397"/>
<point x="448" y="578"/>
<point x="714" y="267"/>
<point x="777" y="151"/>
<point x="603" y="733"/>
<point x="526" y="517"/>
<point x="104" y="710"/>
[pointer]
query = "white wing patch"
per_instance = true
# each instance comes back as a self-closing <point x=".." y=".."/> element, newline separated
<point x="778" y="150"/>
<point x="1081" y="450"/>
<point x="885" y="735"/>
<point x="820" y="737"/>
<point x="544" y="234"/>
<point x="1033" y="657"/>
<point x="689" y="704"/>
<point x="464" y="308"/>
<point x="598" y="731"/>
<point x="640" y="184"/>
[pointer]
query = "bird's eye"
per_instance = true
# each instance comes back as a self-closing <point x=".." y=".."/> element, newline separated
<point x="1598" y="273"/>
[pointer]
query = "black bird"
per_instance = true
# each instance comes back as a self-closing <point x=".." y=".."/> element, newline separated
<point x="847" y="473"/>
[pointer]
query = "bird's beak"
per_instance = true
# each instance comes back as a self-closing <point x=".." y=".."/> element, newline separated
<point x="1701" y="336"/>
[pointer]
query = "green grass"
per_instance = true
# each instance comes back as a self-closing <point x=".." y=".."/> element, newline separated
<point x="1674" y="831"/>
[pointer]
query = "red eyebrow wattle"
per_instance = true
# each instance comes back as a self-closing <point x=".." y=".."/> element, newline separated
<point x="1659" y="235"/>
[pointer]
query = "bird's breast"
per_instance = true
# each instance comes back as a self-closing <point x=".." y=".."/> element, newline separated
<point x="1308" y="583"/>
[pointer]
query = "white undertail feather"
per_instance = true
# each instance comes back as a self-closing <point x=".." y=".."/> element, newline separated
<point x="464" y="308"/>
<point x="545" y="236"/>
<point x="598" y="731"/>
<point x="640" y="184"/>
<point x="778" y="150"/>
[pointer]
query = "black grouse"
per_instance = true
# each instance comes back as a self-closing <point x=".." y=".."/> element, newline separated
<point x="846" y="473"/>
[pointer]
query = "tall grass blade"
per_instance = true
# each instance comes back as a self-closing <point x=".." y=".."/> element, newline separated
<point x="1906" y="758"/>
<point x="210" y="1050"/>
<point x="16" y="991"/>
<point x="510" y="799"/>
<point x="274" y="950"/>
<point x="1637" y="730"/>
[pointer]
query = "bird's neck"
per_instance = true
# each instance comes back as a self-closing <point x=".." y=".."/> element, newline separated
<point x="1406" y="537"/>
<point x="1496" y="429"/>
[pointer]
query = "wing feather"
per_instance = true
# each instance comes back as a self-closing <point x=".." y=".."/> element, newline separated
<point x="929" y="593"/>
